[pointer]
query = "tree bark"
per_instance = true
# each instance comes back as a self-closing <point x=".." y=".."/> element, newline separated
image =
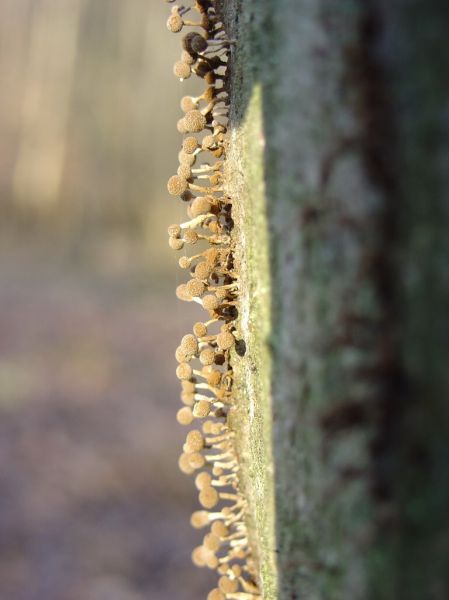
<point x="339" y="174"/>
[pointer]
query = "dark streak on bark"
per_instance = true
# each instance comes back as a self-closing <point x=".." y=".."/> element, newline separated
<point x="366" y="76"/>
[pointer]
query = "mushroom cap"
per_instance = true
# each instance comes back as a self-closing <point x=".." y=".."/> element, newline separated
<point x="211" y="542"/>
<point x="190" y="236"/>
<point x="176" y="185"/>
<point x="190" y="144"/>
<point x="181" y="356"/>
<point x="195" y="441"/>
<point x="175" y="22"/>
<point x="186" y="159"/>
<point x="198" y="43"/>
<point x="227" y="585"/>
<point x="182" y="69"/>
<point x="199" y="519"/>
<point x="208" y="497"/>
<point x="174" y="230"/>
<point x="201" y="409"/>
<point x="195" y="287"/>
<point x="200" y="329"/>
<point x="203" y="480"/>
<point x="202" y="270"/>
<point x="184" y="262"/>
<point x="199" y="557"/>
<point x="219" y="528"/>
<point x="187" y="58"/>
<point x="196" y="460"/>
<point x="207" y="356"/>
<point x="210" y="302"/>
<point x="184" y="466"/>
<point x="187" y="104"/>
<point x="213" y="378"/>
<point x="175" y="243"/>
<point x="200" y="206"/>
<point x="184" y="371"/>
<point x="181" y="126"/>
<point x="216" y="594"/>
<point x="184" y="171"/>
<point x="182" y="293"/>
<point x="184" y="415"/>
<point x="194" y="121"/>
<point x="225" y="340"/>
<point x="189" y="344"/>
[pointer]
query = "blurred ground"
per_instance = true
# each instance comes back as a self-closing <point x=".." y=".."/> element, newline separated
<point x="92" y="505"/>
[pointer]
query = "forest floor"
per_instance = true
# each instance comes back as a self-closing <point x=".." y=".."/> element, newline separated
<point x="92" y="504"/>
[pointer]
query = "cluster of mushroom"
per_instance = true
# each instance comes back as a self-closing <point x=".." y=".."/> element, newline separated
<point x="204" y="355"/>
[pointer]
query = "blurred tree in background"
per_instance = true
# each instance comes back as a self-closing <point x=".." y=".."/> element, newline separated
<point x="93" y="506"/>
<point x="87" y="136"/>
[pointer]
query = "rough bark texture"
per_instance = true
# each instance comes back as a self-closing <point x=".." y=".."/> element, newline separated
<point x="339" y="165"/>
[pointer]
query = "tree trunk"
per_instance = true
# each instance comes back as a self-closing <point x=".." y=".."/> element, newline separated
<point x="339" y="174"/>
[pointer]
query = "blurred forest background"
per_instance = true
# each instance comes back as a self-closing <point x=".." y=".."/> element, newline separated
<point x="92" y="506"/>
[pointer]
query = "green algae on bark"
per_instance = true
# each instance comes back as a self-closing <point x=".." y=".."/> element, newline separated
<point x="251" y="416"/>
